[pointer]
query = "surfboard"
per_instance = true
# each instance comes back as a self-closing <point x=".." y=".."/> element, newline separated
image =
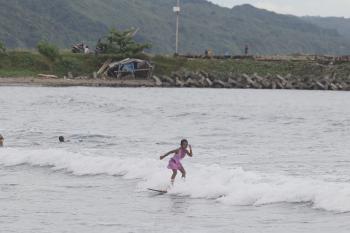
<point x="158" y="191"/>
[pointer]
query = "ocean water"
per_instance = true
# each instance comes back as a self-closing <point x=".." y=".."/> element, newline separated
<point x="264" y="161"/>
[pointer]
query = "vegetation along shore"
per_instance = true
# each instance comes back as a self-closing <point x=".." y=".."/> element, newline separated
<point x="31" y="68"/>
<point x="50" y="66"/>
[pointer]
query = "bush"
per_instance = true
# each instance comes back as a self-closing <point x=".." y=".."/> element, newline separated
<point x="2" y="48"/>
<point x="49" y="51"/>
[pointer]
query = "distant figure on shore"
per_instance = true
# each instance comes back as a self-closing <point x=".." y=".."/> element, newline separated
<point x="208" y="53"/>
<point x="246" y="50"/>
<point x="1" y="141"/>
<point x="61" y="139"/>
<point x="86" y="49"/>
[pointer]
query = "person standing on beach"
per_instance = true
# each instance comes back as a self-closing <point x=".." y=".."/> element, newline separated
<point x="246" y="50"/>
<point x="86" y="49"/>
<point x="1" y="141"/>
<point x="175" y="161"/>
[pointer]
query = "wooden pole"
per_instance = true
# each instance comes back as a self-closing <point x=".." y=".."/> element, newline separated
<point x="177" y="28"/>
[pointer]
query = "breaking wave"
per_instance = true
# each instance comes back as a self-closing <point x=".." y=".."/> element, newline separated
<point x="233" y="186"/>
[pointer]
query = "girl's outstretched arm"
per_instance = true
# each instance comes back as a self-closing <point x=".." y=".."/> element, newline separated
<point x="190" y="152"/>
<point x="169" y="153"/>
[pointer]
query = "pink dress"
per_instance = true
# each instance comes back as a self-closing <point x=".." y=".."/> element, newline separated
<point x="175" y="161"/>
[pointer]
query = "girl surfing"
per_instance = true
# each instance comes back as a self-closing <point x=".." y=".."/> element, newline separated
<point x="175" y="161"/>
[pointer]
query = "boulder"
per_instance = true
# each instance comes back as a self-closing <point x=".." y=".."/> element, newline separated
<point x="279" y="84"/>
<point x="220" y="84"/>
<point x="266" y="82"/>
<point x="248" y="80"/>
<point x="320" y="86"/>
<point x="257" y="77"/>
<point x="209" y="83"/>
<point x="202" y="82"/>
<point x="179" y="83"/>
<point x="166" y="84"/>
<point x="204" y="74"/>
<point x="343" y="86"/>
<point x="70" y="75"/>
<point x="191" y="83"/>
<point x="273" y="84"/>
<point x="233" y="83"/>
<point x="333" y="87"/>
<point x="196" y="76"/>
<point x="167" y="79"/>
<point x="282" y="80"/>
<point x="157" y="81"/>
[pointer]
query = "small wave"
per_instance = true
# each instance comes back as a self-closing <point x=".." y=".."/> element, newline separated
<point x="80" y="186"/>
<point x="232" y="186"/>
<point x="91" y="136"/>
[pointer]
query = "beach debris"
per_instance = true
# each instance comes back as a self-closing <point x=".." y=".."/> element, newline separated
<point x="104" y="67"/>
<point x="129" y="67"/>
<point x="80" y="48"/>
<point x="47" y="76"/>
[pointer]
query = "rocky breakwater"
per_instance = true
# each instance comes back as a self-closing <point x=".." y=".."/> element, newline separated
<point x="203" y="79"/>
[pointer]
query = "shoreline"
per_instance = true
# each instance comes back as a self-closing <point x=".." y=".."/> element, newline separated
<point x="127" y="83"/>
<point x="60" y="82"/>
<point x="31" y="69"/>
<point x="330" y="80"/>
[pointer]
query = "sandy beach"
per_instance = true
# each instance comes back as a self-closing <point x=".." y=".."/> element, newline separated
<point x="60" y="82"/>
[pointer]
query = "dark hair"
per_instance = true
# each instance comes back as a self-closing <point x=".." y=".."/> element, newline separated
<point x="184" y="141"/>
<point x="1" y="137"/>
<point x="61" y="138"/>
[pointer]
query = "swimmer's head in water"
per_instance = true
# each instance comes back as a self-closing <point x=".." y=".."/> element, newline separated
<point x="184" y="143"/>
<point x="61" y="138"/>
<point x="1" y="140"/>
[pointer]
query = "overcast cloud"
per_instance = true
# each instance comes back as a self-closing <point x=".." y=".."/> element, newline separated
<point x="297" y="7"/>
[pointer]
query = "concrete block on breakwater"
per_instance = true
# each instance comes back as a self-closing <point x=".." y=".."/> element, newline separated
<point x="201" y="79"/>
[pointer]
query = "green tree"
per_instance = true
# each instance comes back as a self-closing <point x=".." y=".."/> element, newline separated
<point x="49" y="51"/>
<point x="121" y="42"/>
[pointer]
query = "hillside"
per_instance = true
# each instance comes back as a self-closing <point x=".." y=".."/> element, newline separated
<point x="25" y="22"/>
<point x="203" y="25"/>
<point x="342" y="25"/>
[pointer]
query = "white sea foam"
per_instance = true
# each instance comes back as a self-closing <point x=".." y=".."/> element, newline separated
<point x="227" y="185"/>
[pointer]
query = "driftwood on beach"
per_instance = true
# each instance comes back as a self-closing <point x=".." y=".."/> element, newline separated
<point x="203" y="79"/>
<point x="47" y="76"/>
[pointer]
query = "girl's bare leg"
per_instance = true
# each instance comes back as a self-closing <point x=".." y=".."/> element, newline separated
<point x="173" y="176"/>
<point x="183" y="172"/>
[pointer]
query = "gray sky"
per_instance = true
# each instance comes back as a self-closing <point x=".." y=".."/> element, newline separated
<point x="297" y="7"/>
